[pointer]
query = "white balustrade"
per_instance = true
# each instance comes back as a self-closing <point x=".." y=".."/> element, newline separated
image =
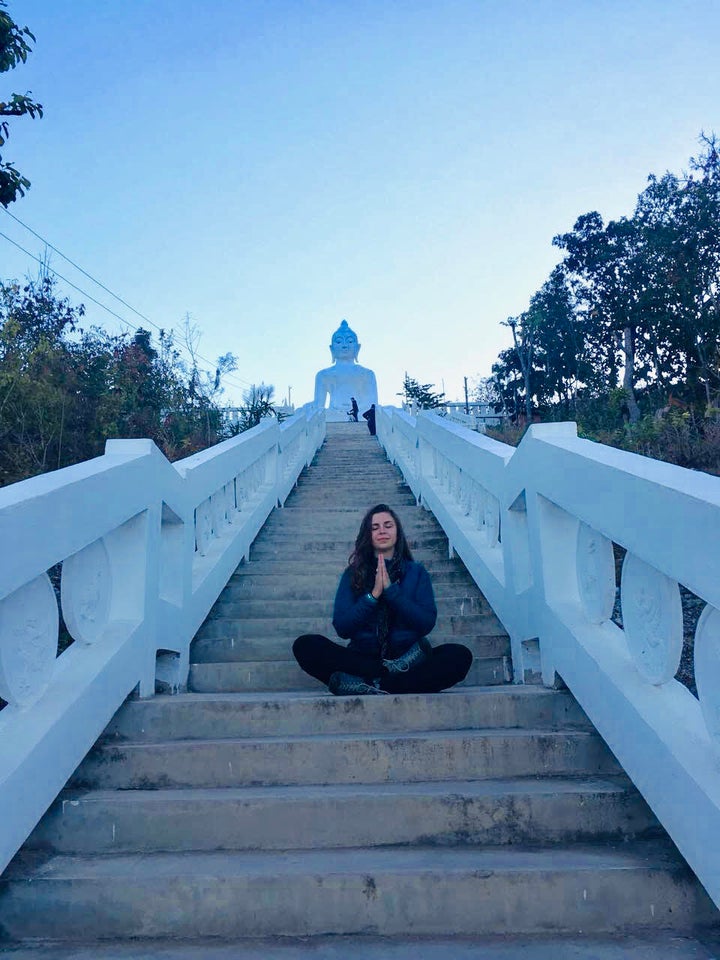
<point x="146" y="547"/>
<point x="535" y="527"/>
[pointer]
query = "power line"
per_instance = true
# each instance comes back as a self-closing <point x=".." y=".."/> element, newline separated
<point x="65" y="280"/>
<point x="234" y="380"/>
<point x="78" y="267"/>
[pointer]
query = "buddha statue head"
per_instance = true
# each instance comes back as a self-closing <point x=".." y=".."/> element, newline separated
<point x="344" y="344"/>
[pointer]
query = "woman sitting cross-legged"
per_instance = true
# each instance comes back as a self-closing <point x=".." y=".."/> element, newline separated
<point x="385" y="607"/>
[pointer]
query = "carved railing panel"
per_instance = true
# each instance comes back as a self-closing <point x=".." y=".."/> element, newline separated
<point x="29" y="622"/>
<point x="536" y="528"/>
<point x="652" y="619"/>
<point x="146" y="547"/>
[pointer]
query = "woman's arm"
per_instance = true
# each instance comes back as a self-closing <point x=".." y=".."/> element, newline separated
<point x="415" y="605"/>
<point x="350" y="611"/>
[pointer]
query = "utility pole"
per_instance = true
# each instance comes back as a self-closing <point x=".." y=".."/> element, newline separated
<point x="467" y="406"/>
<point x="289" y="400"/>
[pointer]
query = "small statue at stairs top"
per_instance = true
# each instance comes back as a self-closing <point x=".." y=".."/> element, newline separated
<point x="345" y="379"/>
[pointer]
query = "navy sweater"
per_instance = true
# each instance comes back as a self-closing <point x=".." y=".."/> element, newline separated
<point x="411" y="612"/>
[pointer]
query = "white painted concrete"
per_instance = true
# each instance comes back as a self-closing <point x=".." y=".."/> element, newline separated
<point x="146" y="547"/>
<point x="535" y="526"/>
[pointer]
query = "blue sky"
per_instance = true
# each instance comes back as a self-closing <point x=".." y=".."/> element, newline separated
<point x="272" y="167"/>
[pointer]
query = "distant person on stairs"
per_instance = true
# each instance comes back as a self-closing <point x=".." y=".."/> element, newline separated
<point x="385" y="607"/>
<point x="369" y="415"/>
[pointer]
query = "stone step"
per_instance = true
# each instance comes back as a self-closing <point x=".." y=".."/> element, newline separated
<point x="287" y="567"/>
<point x="470" y="625"/>
<point x="350" y="476"/>
<point x="644" y="945"/>
<point x="399" y="497"/>
<point x="275" y="547"/>
<point x="489" y="812"/>
<point x="366" y="494"/>
<point x="234" y="605"/>
<point x="318" y="586"/>
<point x="246" y="676"/>
<point x="315" y="523"/>
<point x="228" y="649"/>
<point x="213" y="716"/>
<point x="345" y="515"/>
<point x="344" y="473"/>
<point x="338" y="554"/>
<point x="391" y="891"/>
<point x="348" y="758"/>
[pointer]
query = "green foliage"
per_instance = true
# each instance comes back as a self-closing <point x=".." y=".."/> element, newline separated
<point x="15" y="45"/>
<point x="634" y="307"/>
<point x="65" y="390"/>
<point x="421" y="394"/>
<point x="257" y="404"/>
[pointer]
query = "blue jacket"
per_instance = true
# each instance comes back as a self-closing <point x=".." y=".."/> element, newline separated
<point x="412" y="612"/>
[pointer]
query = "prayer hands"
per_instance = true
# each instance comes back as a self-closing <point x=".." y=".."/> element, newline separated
<point x="382" y="578"/>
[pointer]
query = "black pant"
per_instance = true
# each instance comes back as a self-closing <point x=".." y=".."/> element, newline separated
<point x="447" y="665"/>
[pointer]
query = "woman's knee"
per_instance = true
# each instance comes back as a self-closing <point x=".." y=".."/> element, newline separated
<point x="464" y="657"/>
<point x="457" y="660"/>
<point x="306" y="645"/>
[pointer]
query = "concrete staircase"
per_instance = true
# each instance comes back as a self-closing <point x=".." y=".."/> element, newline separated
<point x="256" y="805"/>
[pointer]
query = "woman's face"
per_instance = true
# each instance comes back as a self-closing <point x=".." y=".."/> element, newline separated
<point x="384" y="534"/>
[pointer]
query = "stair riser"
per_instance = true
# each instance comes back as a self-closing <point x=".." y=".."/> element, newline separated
<point x="178" y="718"/>
<point x="224" y="650"/>
<point x="235" y="604"/>
<point x="318" y="586"/>
<point x="339" y="511"/>
<point x="319" y="498"/>
<point x="338" y="550"/>
<point x="236" y="763"/>
<point x="287" y="567"/>
<point x="289" y="533"/>
<point x="165" y="822"/>
<point x="466" y="902"/>
<point x="245" y="677"/>
<point x="473" y="625"/>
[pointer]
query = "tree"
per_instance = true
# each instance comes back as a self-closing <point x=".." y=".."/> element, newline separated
<point x="15" y="45"/>
<point x="257" y="404"/>
<point x="37" y="378"/>
<point x="487" y="391"/>
<point x="421" y="394"/>
<point x="205" y="389"/>
<point x="65" y="390"/>
<point x="524" y="332"/>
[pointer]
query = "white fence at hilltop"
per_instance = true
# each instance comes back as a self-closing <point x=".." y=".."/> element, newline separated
<point x="535" y="526"/>
<point x="146" y="547"/>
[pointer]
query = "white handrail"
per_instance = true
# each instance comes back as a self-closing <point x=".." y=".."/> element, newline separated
<point x="535" y="526"/>
<point x="146" y="548"/>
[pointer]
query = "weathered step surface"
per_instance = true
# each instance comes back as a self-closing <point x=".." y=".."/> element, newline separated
<point x="348" y="758"/>
<point x="390" y="891"/>
<point x="258" y="581"/>
<point x="214" y="716"/>
<point x="469" y="624"/>
<point x="648" y="946"/>
<point x="478" y="813"/>
<point x="242" y="676"/>
<point x="226" y="649"/>
<point x="287" y="566"/>
<point x="203" y="820"/>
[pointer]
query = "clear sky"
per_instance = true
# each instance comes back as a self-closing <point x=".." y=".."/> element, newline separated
<point x="274" y="166"/>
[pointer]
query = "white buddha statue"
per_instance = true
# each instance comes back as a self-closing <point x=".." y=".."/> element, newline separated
<point x="345" y="379"/>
